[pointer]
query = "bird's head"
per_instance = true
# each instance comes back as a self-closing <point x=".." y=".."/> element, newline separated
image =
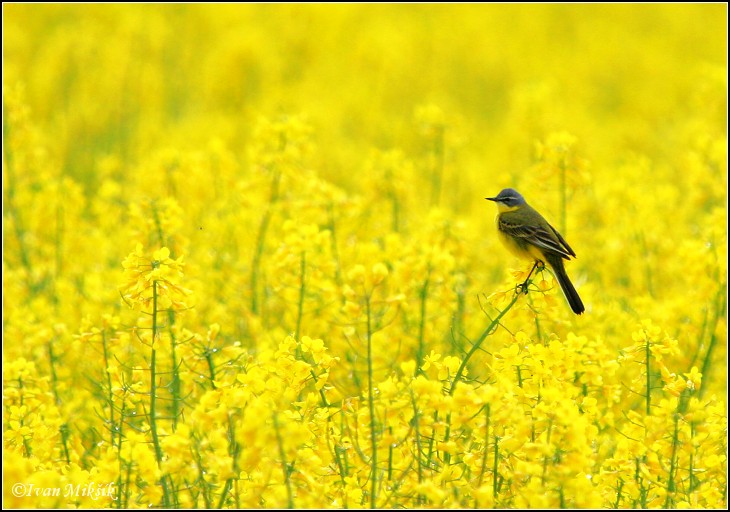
<point x="507" y="200"/>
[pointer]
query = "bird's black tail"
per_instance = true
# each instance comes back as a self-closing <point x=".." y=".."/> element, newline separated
<point x="556" y="262"/>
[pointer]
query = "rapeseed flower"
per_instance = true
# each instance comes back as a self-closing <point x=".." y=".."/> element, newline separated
<point x="313" y="310"/>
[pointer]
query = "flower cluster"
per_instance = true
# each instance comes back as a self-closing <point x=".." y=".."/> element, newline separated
<point x="248" y="264"/>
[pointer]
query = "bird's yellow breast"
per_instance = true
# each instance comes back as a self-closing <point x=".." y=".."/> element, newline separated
<point x="517" y="247"/>
<point x="512" y="246"/>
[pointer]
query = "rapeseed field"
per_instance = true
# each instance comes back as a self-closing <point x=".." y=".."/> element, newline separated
<point x="248" y="262"/>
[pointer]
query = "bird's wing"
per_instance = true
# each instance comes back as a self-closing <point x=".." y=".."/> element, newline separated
<point x="563" y="242"/>
<point x="539" y="236"/>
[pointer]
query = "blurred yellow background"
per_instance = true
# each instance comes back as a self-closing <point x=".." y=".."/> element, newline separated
<point x="317" y="175"/>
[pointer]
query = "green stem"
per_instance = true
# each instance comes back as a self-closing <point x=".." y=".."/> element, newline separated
<point x="487" y="411"/>
<point x="495" y="470"/>
<point x="333" y="243"/>
<point x="300" y="315"/>
<point x="692" y="478"/>
<point x="58" y="245"/>
<point x="546" y="458"/>
<point x="109" y="387"/>
<point x="432" y="442"/>
<point x="153" y="395"/>
<point x="127" y="486"/>
<point x="175" y="384"/>
<point x="233" y="449"/>
<point x="618" y="492"/>
<point x="202" y="484"/>
<point x="345" y="461"/>
<point x="284" y="465"/>
<point x="720" y="309"/>
<point x="261" y="239"/>
<point x="479" y="342"/>
<point x="300" y="305"/>
<point x="669" y="502"/>
<point x="211" y="366"/>
<point x="648" y="378"/>
<point x="458" y="316"/>
<point x="492" y="326"/>
<point x="390" y="456"/>
<point x="640" y="481"/>
<point x="537" y="323"/>
<point x="422" y="327"/>
<point x="26" y="441"/>
<point x="54" y="384"/>
<point x="371" y="406"/>
<point x="419" y="449"/>
<point x="123" y="486"/>
<point x="336" y="452"/>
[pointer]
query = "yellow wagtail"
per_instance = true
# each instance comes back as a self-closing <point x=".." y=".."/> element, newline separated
<point x="528" y="235"/>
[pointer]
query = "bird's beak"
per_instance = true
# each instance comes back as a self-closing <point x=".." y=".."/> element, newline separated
<point x="491" y="199"/>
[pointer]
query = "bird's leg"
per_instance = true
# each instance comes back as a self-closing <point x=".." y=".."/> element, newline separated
<point x="539" y="265"/>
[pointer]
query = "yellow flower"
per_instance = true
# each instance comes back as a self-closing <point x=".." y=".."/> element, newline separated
<point x="379" y="273"/>
<point x="694" y="379"/>
<point x="429" y="359"/>
<point x="511" y="355"/>
<point x="356" y="274"/>
<point x="316" y="346"/>
<point x="449" y="367"/>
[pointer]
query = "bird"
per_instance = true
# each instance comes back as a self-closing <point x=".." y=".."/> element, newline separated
<point x="528" y="235"/>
